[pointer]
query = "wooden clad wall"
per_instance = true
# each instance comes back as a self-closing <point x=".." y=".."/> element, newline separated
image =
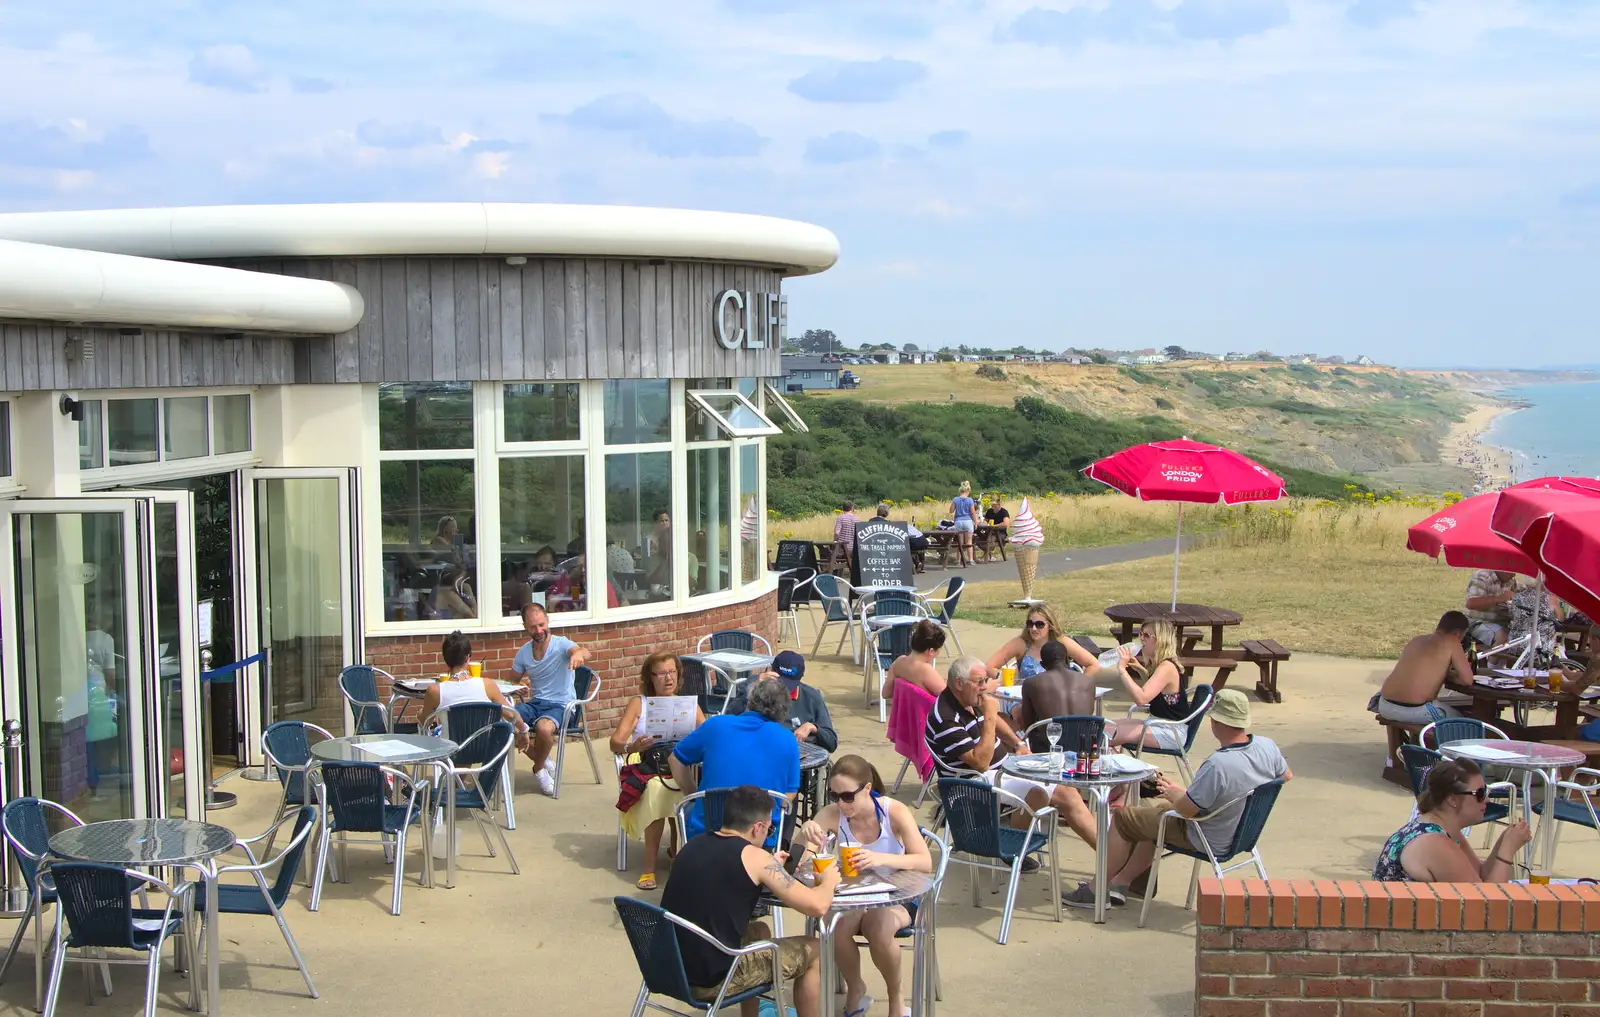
<point x="33" y="357"/>
<point x="481" y="319"/>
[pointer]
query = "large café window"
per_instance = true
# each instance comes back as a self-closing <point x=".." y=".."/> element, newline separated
<point x="426" y="506"/>
<point x="5" y="441"/>
<point x="639" y="526"/>
<point x="542" y="466"/>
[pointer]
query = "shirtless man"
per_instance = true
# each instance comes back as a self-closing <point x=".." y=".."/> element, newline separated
<point x="1408" y="694"/>
<point x="1054" y="692"/>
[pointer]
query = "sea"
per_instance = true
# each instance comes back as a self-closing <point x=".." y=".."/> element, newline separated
<point x="1557" y="433"/>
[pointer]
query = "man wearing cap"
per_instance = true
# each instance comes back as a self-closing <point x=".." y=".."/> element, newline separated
<point x="808" y="714"/>
<point x="1242" y="763"/>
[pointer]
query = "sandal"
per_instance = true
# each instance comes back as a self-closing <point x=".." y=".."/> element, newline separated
<point x="860" y="1011"/>
<point x="646" y="881"/>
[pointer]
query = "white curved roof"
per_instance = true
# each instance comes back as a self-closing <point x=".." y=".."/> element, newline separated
<point x="464" y="228"/>
<point x="58" y="284"/>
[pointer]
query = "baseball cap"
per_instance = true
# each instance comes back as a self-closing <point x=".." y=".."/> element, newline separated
<point x="1231" y="708"/>
<point x="791" y="667"/>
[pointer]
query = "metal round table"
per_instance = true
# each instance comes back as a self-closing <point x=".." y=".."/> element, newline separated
<point x="1099" y="788"/>
<point x="139" y="843"/>
<point x="1528" y="758"/>
<point x="397" y="750"/>
<point x="909" y="887"/>
<point x="812" y="760"/>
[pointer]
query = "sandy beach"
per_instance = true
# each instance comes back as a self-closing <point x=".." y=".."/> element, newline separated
<point x="1464" y="445"/>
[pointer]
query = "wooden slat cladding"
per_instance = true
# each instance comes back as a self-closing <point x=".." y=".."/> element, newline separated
<point x="482" y="319"/>
<point x="33" y="357"/>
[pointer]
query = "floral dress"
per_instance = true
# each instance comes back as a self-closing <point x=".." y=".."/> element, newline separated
<point x="1388" y="868"/>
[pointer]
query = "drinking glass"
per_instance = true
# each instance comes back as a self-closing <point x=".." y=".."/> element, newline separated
<point x="1058" y="759"/>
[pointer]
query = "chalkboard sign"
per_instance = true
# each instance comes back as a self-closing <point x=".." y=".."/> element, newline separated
<point x="883" y="554"/>
<point x="796" y="554"/>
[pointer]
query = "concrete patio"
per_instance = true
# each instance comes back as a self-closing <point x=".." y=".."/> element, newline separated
<point x="548" y="940"/>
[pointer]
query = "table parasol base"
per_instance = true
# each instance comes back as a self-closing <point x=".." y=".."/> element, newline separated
<point x="221" y="799"/>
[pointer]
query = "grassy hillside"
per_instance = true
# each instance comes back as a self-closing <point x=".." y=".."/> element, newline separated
<point x="1362" y="420"/>
<point x="866" y="453"/>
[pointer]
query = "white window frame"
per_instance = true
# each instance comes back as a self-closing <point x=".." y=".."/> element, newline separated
<point x="730" y="504"/>
<point x="579" y="444"/>
<point x="775" y="398"/>
<point x="8" y="482"/>
<point x="163" y="469"/>
<point x="701" y="397"/>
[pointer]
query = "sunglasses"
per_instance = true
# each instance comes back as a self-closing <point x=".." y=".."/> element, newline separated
<point x="1480" y="794"/>
<point x="1036" y="624"/>
<point x="848" y="797"/>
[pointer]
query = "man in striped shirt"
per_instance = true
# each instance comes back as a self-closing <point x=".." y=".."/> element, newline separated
<point x="965" y="732"/>
<point x="844" y="533"/>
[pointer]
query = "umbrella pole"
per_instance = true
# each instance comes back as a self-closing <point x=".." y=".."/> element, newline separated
<point x="1177" y="547"/>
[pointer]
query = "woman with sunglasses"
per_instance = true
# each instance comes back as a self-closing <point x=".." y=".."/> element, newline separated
<point x="646" y="801"/>
<point x="1153" y="677"/>
<point x="886" y="835"/>
<point x="1433" y="848"/>
<point x="1038" y="627"/>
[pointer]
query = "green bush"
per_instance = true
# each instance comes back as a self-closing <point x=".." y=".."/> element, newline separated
<point x="1163" y="403"/>
<point x="993" y="372"/>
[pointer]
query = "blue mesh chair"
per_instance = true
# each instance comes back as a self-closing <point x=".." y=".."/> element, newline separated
<point x="1457" y="729"/>
<point x="835" y="596"/>
<point x="879" y="608"/>
<point x="734" y="639"/>
<point x="978" y="839"/>
<point x="883" y="646"/>
<point x="943" y="609"/>
<point x="710" y="803"/>
<point x="653" y="935"/>
<point x="1200" y="699"/>
<point x="1502" y="803"/>
<point x="26" y="823"/>
<point x="1078" y="732"/>
<point x="1577" y="807"/>
<point x="95" y="902"/>
<point x="358" y="683"/>
<point x="474" y="778"/>
<point x="355" y="796"/>
<point x="695" y="680"/>
<point x="587" y="689"/>
<point x="259" y="897"/>
<point x="1252" y="821"/>
<point x="794" y="593"/>
<point x="287" y="745"/>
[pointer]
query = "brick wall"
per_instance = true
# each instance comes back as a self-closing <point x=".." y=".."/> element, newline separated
<point x="1318" y="948"/>
<point x="616" y="649"/>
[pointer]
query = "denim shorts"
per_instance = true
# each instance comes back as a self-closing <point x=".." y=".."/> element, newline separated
<point x="965" y="525"/>
<point x="532" y="710"/>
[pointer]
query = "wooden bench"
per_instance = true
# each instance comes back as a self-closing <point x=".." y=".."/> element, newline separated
<point x="1394" y="767"/>
<point x="1265" y="654"/>
<point x="1223" y="660"/>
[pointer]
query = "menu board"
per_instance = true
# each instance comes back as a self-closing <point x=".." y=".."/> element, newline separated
<point x="796" y="554"/>
<point x="883" y="554"/>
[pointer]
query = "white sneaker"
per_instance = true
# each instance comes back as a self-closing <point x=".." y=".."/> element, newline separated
<point x="550" y="765"/>
<point x="547" y="782"/>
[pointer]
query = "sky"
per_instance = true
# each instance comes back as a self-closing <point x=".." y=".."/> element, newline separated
<point x="1410" y="180"/>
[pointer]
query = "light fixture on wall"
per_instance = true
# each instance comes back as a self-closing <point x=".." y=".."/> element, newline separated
<point x="516" y="259"/>
<point x="71" y="407"/>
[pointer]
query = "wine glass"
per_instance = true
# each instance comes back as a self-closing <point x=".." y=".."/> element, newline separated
<point x="1052" y="731"/>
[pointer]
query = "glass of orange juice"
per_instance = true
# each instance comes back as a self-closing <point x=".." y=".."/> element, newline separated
<point x="847" y="861"/>
<point x="444" y="677"/>
<point x="1540" y="877"/>
<point x="1557" y="676"/>
<point x="1008" y="675"/>
<point x="821" y="863"/>
<point x="475" y="669"/>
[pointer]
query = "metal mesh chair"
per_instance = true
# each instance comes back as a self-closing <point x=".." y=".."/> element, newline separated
<point x="653" y="934"/>
<point x="1500" y="807"/>
<point x="358" y="683"/>
<point x="711" y="801"/>
<point x="95" y="902"/>
<point x="356" y="799"/>
<point x="883" y="646"/>
<point x="794" y="587"/>
<point x="734" y="639"/>
<point x="1457" y="729"/>
<point x="1577" y="808"/>
<point x="26" y="823"/>
<point x="587" y="688"/>
<point x="287" y="745"/>
<point x="943" y="609"/>
<point x="1078" y="732"/>
<point x="259" y="897"/>
<point x="979" y="840"/>
<point x="835" y="595"/>
<point x="697" y="682"/>
<point x="1200" y="701"/>
<point x="1252" y="821"/>
<point x="474" y="778"/>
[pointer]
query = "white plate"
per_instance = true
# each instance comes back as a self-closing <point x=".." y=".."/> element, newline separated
<point x="1033" y="764"/>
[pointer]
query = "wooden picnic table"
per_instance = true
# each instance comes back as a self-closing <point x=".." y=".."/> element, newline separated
<point x="1184" y="616"/>
<point x="942" y="543"/>
<point x="1489" y="702"/>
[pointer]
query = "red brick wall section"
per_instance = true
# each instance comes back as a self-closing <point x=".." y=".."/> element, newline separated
<point x="616" y="649"/>
<point x="1319" y="948"/>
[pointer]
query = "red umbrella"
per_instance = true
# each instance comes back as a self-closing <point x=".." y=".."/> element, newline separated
<point x="1460" y="533"/>
<point x="1559" y="528"/>
<point x="1184" y="470"/>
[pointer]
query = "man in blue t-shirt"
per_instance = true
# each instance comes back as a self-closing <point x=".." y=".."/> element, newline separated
<point x="753" y="747"/>
<point x="544" y="665"/>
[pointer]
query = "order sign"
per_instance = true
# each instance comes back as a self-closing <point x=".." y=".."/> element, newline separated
<point x="883" y="554"/>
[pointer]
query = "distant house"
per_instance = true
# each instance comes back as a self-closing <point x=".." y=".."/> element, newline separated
<point x="971" y="358"/>
<point x="1125" y="360"/>
<point x="801" y="373"/>
<point x="1300" y="358"/>
<point x="1231" y="356"/>
<point x="1365" y="361"/>
<point x="1331" y="360"/>
<point x="915" y="357"/>
<point x="886" y="356"/>
<point x="1072" y="358"/>
<point x="1150" y="358"/>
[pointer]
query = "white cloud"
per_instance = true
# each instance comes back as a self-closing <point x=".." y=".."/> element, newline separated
<point x="231" y="66"/>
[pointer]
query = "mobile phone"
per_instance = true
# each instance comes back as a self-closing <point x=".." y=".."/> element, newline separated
<point x="792" y="863"/>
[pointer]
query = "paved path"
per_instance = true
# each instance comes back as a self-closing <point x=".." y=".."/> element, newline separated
<point x="1055" y="563"/>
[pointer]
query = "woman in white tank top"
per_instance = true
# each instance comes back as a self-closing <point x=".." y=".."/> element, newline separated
<point x="463" y="688"/>
<point x="884" y="834"/>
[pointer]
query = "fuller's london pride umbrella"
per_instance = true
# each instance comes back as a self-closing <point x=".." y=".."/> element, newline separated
<point x="1559" y="528"/>
<point x="1185" y="470"/>
<point x="1460" y="533"/>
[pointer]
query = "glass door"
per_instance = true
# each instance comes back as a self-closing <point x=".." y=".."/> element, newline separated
<point x="299" y="594"/>
<point x="78" y="660"/>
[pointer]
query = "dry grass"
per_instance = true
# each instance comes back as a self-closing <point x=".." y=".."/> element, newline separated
<point x="1319" y="578"/>
<point x="1088" y="520"/>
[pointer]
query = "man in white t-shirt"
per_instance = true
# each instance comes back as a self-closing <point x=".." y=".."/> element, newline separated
<point x="544" y="665"/>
